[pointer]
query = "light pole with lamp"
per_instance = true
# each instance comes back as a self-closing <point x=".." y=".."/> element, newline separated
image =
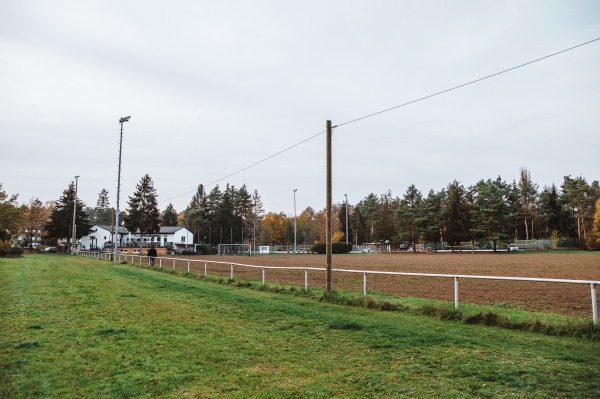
<point x="295" y="245"/>
<point x="121" y="121"/>
<point x="74" y="243"/>
<point x="346" y="195"/>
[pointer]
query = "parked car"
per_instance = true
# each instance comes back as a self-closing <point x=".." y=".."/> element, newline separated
<point x="49" y="250"/>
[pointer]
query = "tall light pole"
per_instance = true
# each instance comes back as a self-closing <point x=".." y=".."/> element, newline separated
<point x="74" y="243"/>
<point x="346" y="195"/>
<point x="295" y="245"/>
<point x="121" y="121"/>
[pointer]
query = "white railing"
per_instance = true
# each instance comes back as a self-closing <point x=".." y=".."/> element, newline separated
<point x="365" y="273"/>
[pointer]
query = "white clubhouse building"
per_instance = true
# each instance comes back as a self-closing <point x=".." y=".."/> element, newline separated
<point x="175" y="238"/>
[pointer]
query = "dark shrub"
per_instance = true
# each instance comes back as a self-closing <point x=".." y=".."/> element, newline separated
<point x="336" y="248"/>
<point x="205" y="249"/>
<point x="15" y="252"/>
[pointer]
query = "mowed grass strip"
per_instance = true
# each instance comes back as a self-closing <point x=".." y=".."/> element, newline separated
<point x="76" y="327"/>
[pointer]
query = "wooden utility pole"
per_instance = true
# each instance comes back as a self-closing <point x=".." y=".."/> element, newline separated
<point x="328" y="210"/>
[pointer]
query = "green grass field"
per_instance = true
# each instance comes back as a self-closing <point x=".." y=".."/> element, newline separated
<point x="80" y="328"/>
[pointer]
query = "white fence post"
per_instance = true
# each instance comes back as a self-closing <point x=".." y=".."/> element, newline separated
<point x="205" y="268"/>
<point x="160" y="263"/>
<point x="365" y="283"/>
<point x="305" y="279"/>
<point x="188" y="266"/>
<point x="455" y="293"/>
<point x="594" y="304"/>
<point x="231" y="265"/>
<point x="263" y="276"/>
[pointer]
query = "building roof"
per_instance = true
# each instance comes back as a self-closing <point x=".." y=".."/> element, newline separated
<point x="163" y="229"/>
<point x="170" y="229"/>
<point x="122" y="229"/>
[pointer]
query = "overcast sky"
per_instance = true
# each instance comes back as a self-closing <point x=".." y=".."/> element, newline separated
<point x="214" y="87"/>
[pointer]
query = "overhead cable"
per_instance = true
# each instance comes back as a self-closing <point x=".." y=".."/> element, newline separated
<point x="390" y="109"/>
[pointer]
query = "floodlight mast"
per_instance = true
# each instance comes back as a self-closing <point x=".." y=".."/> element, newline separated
<point x="346" y="195"/>
<point x="74" y="238"/>
<point x="116" y="244"/>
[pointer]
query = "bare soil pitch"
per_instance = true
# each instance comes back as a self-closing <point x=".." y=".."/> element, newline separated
<point x="565" y="299"/>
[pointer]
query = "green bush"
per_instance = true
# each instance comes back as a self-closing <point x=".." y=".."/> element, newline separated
<point x="336" y="248"/>
<point x="206" y="249"/>
<point x="15" y="252"/>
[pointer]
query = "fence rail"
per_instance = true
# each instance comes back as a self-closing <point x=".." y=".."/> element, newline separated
<point x="188" y="262"/>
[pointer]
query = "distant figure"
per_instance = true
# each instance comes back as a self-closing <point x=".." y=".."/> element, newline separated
<point x="152" y="254"/>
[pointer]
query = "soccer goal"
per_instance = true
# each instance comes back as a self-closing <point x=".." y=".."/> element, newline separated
<point x="234" y="249"/>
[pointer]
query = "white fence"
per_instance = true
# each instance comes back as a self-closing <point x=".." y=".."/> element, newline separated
<point x="172" y="262"/>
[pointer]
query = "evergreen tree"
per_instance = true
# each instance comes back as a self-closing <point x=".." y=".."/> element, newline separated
<point x="169" y="216"/>
<point x="455" y="211"/>
<point x="257" y="215"/>
<point x="61" y="218"/>
<point x="196" y="215"/>
<point x="491" y="210"/>
<point x="103" y="211"/>
<point x="551" y="216"/>
<point x="409" y="216"/>
<point x="527" y="199"/>
<point x="213" y="203"/>
<point x="369" y="210"/>
<point x="358" y="225"/>
<point x="514" y="227"/>
<point x="579" y="200"/>
<point x="225" y="217"/>
<point x="243" y="213"/>
<point x="432" y="225"/>
<point x="386" y="230"/>
<point x="142" y="211"/>
<point x="474" y="233"/>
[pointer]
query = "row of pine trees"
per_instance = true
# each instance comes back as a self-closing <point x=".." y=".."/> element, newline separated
<point x="490" y="210"/>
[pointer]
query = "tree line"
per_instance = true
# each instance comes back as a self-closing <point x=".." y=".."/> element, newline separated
<point x="490" y="210"/>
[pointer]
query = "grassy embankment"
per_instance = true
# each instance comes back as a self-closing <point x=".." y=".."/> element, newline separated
<point x="75" y="327"/>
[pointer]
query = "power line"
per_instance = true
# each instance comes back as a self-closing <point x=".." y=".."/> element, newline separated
<point x="387" y="110"/>
<point x="250" y="166"/>
<point x="466" y="84"/>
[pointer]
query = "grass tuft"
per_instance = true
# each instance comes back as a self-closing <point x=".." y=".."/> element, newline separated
<point x="35" y="327"/>
<point x="346" y="326"/>
<point x="487" y="318"/>
<point x="112" y="331"/>
<point x="28" y="344"/>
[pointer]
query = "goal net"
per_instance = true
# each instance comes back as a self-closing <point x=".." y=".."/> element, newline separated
<point x="234" y="249"/>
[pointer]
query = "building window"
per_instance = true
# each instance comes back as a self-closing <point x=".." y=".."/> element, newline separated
<point x="182" y="238"/>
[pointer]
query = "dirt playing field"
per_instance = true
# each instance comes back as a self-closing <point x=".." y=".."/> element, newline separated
<point x="566" y="299"/>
